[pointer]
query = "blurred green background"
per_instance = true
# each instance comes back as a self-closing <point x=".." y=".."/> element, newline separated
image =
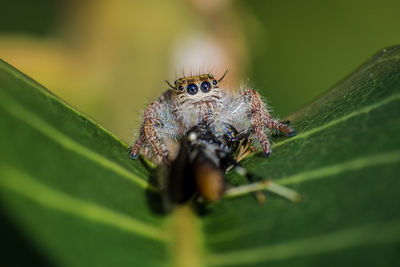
<point x="110" y="58"/>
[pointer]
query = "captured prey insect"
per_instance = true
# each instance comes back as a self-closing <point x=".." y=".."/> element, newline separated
<point x="198" y="100"/>
<point x="203" y="159"/>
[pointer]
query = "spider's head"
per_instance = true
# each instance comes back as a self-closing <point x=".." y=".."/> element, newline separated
<point x="197" y="86"/>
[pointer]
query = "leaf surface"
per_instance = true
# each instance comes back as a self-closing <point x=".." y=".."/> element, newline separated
<point x="345" y="161"/>
<point x="69" y="189"/>
<point x="69" y="183"/>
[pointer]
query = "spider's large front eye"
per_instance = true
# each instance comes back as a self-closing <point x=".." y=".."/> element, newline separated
<point x="205" y="87"/>
<point x="192" y="89"/>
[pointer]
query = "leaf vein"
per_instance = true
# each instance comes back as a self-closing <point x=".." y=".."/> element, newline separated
<point x="370" y="234"/>
<point x="351" y="165"/>
<point x="23" y="184"/>
<point x="353" y="114"/>
<point x="22" y="77"/>
<point x="40" y="125"/>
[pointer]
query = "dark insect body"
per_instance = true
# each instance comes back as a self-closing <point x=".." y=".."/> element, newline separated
<point x="200" y="166"/>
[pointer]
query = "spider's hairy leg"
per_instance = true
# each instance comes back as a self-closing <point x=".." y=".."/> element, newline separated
<point x="135" y="151"/>
<point x="283" y="127"/>
<point x="261" y="118"/>
<point x="151" y="135"/>
<point x="257" y="110"/>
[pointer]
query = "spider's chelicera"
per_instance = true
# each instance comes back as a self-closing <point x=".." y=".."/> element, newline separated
<point x="198" y="100"/>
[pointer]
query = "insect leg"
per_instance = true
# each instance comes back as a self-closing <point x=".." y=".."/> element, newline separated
<point x="242" y="171"/>
<point x="256" y="187"/>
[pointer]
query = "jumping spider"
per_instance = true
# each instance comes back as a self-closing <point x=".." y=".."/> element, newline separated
<point x="199" y="100"/>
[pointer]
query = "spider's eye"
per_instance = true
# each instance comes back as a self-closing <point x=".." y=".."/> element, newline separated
<point x="180" y="87"/>
<point x="214" y="82"/>
<point x="205" y="87"/>
<point x="192" y="89"/>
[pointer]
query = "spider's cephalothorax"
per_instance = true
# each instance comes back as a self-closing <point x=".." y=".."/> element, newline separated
<point x="200" y="100"/>
<point x="195" y="99"/>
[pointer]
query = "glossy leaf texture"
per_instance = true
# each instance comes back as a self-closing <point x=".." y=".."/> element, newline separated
<point x="68" y="187"/>
<point x="345" y="161"/>
<point x="70" y="195"/>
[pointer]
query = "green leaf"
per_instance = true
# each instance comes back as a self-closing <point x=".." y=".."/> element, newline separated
<point x="70" y="185"/>
<point x="345" y="161"/>
<point x="70" y="188"/>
